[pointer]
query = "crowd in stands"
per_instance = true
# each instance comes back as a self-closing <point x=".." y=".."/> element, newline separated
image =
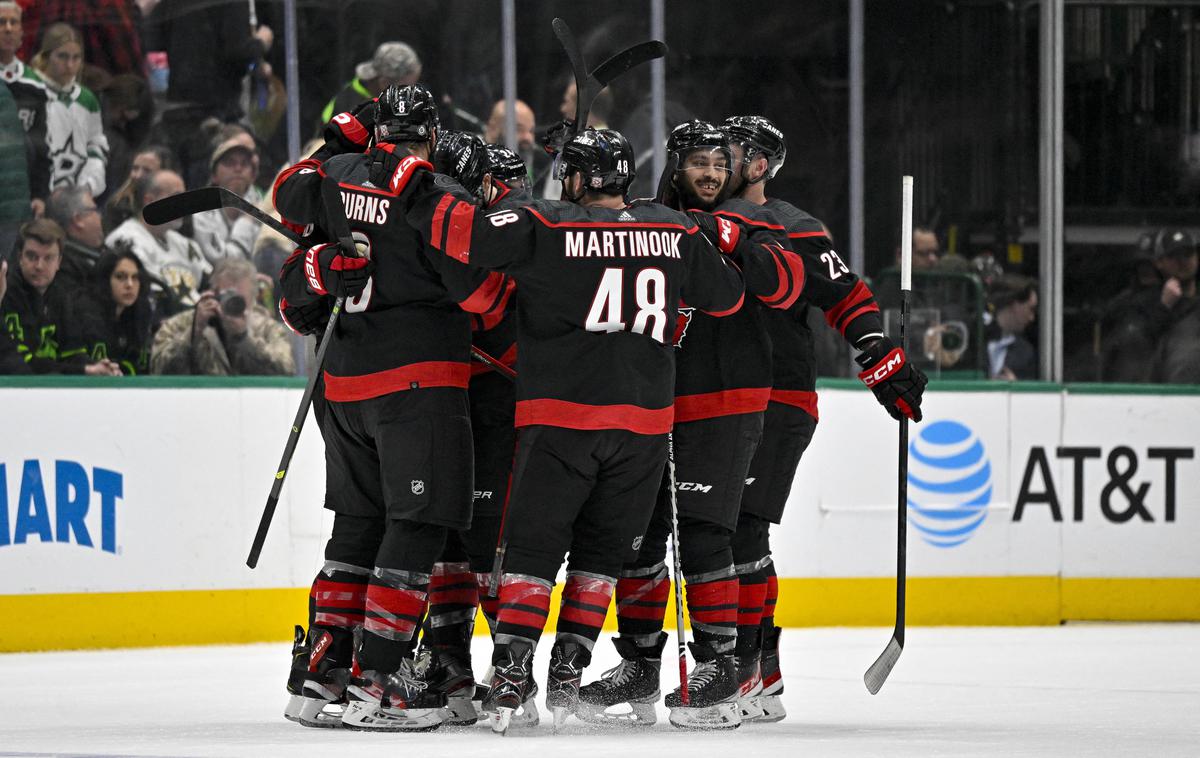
<point x="90" y="287"/>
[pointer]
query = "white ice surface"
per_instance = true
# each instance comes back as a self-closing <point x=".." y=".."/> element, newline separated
<point x="1081" y="690"/>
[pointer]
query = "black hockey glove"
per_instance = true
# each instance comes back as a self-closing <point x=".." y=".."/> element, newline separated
<point x="553" y="137"/>
<point x="329" y="272"/>
<point x="306" y="319"/>
<point x="350" y="132"/>
<point x="897" y="384"/>
<point x="723" y="233"/>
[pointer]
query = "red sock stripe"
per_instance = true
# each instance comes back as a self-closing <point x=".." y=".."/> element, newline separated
<point x="751" y="596"/>
<point x="585" y="601"/>
<point x="338" y="604"/>
<point x="714" y="603"/>
<point x="771" y="596"/>
<point x="392" y="612"/>
<point x="524" y="604"/>
<point x="637" y="592"/>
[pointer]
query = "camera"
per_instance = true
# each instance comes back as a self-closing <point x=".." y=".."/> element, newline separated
<point x="232" y="302"/>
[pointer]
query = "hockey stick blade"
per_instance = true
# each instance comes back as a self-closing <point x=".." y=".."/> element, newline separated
<point x="877" y="674"/>
<point x="570" y="46"/>
<point x="211" y="199"/>
<point x="643" y="52"/>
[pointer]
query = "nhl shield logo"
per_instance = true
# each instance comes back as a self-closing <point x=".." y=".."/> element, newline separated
<point x="418" y="486"/>
<point x="637" y="543"/>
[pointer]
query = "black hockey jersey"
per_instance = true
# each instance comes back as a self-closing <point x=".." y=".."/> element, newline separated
<point x="848" y="304"/>
<point x="410" y="327"/>
<point x="496" y="333"/>
<point x="724" y="365"/>
<point x="596" y="296"/>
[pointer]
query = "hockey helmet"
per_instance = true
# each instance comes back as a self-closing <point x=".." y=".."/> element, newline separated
<point x="602" y="156"/>
<point x="757" y="135"/>
<point x="504" y="164"/>
<point x="460" y="156"/>
<point x="698" y="136"/>
<point x="406" y="113"/>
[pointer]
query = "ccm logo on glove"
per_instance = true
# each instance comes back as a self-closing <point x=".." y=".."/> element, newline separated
<point x="890" y="365"/>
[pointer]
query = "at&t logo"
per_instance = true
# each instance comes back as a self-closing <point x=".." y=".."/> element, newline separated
<point x="949" y="483"/>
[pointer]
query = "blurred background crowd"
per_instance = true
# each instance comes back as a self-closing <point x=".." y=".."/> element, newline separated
<point x="112" y="104"/>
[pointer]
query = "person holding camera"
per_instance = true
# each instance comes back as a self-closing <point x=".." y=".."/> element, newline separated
<point x="227" y="333"/>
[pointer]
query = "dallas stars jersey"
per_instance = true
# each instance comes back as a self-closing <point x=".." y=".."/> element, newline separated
<point x="596" y="296"/>
<point x="410" y="327"/>
<point x="848" y="304"/>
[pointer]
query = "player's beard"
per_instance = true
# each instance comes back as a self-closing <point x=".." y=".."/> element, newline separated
<point x="689" y="199"/>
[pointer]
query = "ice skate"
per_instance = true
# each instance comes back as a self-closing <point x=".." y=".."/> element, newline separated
<point x="318" y="679"/>
<point x="749" y="676"/>
<point x="627" y="693"/>
<point x="511" y="686"/>
<point x="451" y="675"/>
<point x="568" y="658"/>
<point x="397" y="702"/>
<point x="712" y="692"/>
<point x="769" y="701"/>
<point x="525" y="716"/>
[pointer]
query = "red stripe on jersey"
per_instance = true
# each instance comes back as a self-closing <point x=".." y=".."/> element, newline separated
<point x="509" y="358"/>
<point x="752" y="222"/>
<point x="347" y="389"/>
<point x="360" y="188"/>
<point x="494" y="315"/>
<point x="439" y="218"/>
<point x="610" y="224"/>
<point x="803" y="235"/>
<point x="487" y="295"/>
<point x="723" y="403"/>
<point x="868" y="308"/>
<point x="805" y="400"/>
<point x="458" y="236"/>
<point x="791" y="278"/>
<point x="570" y="415"/>
<point x="736" y="307"/>
<point x="857" y="295"/>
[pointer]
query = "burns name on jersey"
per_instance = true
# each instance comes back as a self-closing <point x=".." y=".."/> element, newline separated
<point x="369" y="209"/>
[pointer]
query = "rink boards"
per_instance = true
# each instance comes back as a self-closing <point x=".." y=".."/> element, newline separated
<point x="126" y="513"/>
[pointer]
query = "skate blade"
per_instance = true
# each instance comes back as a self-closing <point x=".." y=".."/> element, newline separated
<point x="365" y="716"/>
<point x="291" y="711"/>
<point x="461" y="711"/>
<point x="500" y="720"/>
<point x="320" y="714"/>
<point x="719" y="716"/>
<point x="560" y="713"/>
<point x="772" y="709"/>
<point x="749" y="708"/>
<point x="639" y="714"/>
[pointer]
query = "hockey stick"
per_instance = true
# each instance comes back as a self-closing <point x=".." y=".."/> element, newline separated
<point x="588" y="85"/>
<point x="877" y="674"/>
<point x="340" y="229"/>
<point x="211" y="199"/>
<point x="494" y="364"/>
<point x="677" y="574"/>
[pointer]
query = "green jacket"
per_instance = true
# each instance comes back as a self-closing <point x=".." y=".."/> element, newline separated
<point x="14" y="172"/>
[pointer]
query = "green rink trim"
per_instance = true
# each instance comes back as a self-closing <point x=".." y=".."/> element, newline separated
<point x="98" y="620"/>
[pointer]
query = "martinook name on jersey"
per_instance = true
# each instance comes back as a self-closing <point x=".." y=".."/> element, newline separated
<point x="631" y="244"/>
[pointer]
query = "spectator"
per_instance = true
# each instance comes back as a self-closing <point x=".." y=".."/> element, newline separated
<point x="227" y="333"/>
<point x="109" y="29"/>
<point x="116" y="316"/>
<point x="128" y="109"/>
<point x="493" y="132"/>
<point x="167" y="254"/>
<point x="1130" y="324"/>
<point x="145" y="161"/>
<point x="1178" y="357"/>
<point x="14" y="172"/>
<point x="74" y="130"/>
<point x="74" y="209"/>
<point x="228" y="232"/>
<point x="926" y="250"/>
<point x="30" y="97"/>
<point x="11" y="361"/>
<point x="1014" y="301"/>
<point x="393" y="63"/>
<point x="40" y="315"/>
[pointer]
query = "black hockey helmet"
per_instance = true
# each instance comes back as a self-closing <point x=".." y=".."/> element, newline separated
<point x="757" y="135"/>
<point x="504" y="164"/>
<point x="460" y="156"/>
<point x="406" y="113"/>
<point x="602" y="156"/>
<point x="696" y="134"/>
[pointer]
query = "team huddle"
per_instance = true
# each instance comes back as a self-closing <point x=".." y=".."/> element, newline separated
<point x="642" y="367"/>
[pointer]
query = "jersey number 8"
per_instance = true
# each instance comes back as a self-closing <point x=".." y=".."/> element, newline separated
<point x="650" y="295"/>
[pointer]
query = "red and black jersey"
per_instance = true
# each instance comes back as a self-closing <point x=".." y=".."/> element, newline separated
<point x="724" y="365"/>
<point x="848" y="304"/>
<point x="596" y="296"/>
<point x="410" y="327"/>
<point x="496" y="333"/>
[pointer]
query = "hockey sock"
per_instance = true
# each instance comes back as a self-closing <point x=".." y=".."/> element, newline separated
<point x="585" y="600"/>
<point x="524" y="605"/>
<point x="768" y="617"/>
<point x="338" y="595"/>
<point x="489" y="605"/>
<point x="452" y="600"/>
<point x="396" y="601"/>
<point x="712" y="604"/>
<point x="642" y="602"/>
<point x="752" y="594"/>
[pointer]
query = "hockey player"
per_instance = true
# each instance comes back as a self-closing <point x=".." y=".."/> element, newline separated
<point x="597" y="282"/>
<point x="759" y="151"/>
<point x="398" y="455"/>
<point x="722" y="386"/>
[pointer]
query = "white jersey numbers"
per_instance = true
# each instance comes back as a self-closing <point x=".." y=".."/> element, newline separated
<point x="650" y="295"/>
<point x="836" y="266"/>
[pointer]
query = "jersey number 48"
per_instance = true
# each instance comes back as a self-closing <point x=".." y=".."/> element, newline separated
<point x="650" y="297"/>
